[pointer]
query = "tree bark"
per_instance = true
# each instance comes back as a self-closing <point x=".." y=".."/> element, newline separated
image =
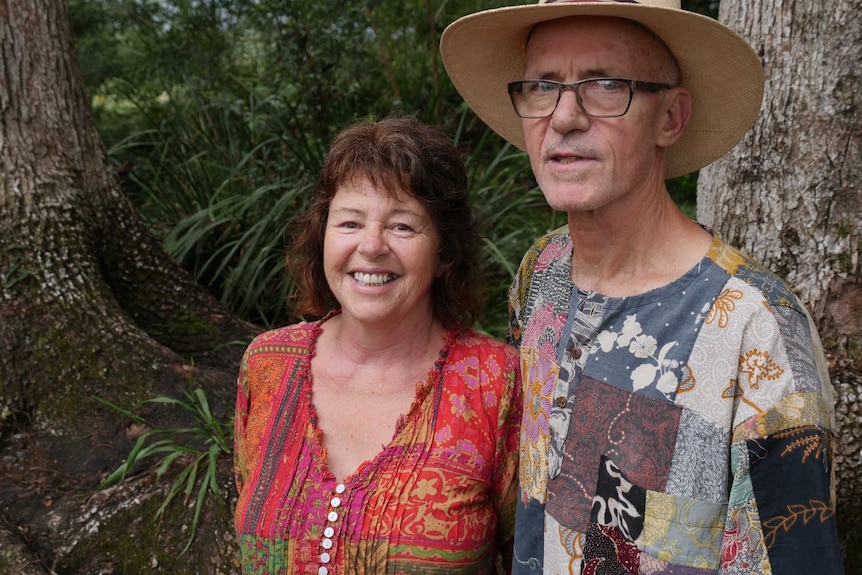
<point x="791" y="193"/>
<point x="90" y="303"/>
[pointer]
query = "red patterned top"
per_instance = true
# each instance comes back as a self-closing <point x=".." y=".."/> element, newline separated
<point x="438" y="499"/>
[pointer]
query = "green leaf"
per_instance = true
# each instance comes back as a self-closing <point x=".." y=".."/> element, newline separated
<point x="118" y="409"/>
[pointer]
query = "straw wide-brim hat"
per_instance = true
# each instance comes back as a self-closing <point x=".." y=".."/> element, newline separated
<point x="483" y="52"/>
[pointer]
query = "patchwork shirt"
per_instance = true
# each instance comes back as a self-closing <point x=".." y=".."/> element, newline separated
<point x="682" y="431"/>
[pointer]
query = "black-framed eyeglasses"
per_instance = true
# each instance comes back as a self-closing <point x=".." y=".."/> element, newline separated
<point x="597" y="97"/>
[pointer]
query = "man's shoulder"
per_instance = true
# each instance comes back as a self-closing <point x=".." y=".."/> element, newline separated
<point x="552" y="247"/>
<point x="739" y="265"/>
<point x="548" y="260"/>
<point x="559" y="236"/>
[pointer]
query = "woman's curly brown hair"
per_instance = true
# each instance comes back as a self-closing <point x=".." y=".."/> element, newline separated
<point x="399" y="154"/>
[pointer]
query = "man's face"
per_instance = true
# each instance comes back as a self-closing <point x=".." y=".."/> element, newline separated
<point x="583" y="163"/>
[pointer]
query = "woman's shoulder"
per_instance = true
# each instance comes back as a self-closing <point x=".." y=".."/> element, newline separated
<point x="472" y="342"/>
<point x="481" y="362"/>
<point x="295" y="339"/>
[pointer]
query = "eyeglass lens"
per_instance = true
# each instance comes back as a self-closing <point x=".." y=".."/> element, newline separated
<point x="598" y="97"/>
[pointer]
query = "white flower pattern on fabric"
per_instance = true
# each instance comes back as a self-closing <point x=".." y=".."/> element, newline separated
<point x="643" y="346"/>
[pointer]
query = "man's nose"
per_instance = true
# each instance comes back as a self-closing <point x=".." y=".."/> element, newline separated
<point x="569" y="115"/>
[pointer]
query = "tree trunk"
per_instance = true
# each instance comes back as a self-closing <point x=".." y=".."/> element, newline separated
<point x="90" y="305"/>
<point x="791" y="193"/>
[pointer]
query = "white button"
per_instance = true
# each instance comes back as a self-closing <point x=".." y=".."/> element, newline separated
<point x="339" y="488"/>
<point x="324" y="557"/>
<point x="322" y="570"/>
<point x="326" y="543"/>
<point x="336" y="501"/>
<point x="332" y="516"/>
<point x="329" y="532"/>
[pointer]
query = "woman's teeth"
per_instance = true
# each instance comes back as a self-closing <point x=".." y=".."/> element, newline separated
<point x="373" y="279"/>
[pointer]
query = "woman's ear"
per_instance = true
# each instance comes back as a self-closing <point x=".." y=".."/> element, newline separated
<point x="677" y="112"/>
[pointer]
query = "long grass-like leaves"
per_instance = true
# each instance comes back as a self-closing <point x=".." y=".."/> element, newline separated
<point x="229" y="180"/>
<point x="203" y="445"/>
<point x="122" y="411"/>
<point x="513" y="213"/>
<point x="230" y="175"/>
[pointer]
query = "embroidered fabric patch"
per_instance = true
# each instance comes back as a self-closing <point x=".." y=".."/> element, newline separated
<point x="608" y="421"/>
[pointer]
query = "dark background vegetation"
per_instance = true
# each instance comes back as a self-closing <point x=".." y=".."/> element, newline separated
<point x="217" y="114"/>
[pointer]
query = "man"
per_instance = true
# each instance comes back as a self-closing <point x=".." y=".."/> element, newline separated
<point x="678" y="406"/>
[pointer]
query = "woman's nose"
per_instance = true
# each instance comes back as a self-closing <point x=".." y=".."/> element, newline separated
<point x="373" y="241"/>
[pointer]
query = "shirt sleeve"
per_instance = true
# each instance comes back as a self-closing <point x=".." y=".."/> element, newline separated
<point x="781" y="509"/>
<point x="240" y="421"/>
<point x="517" y="297"/>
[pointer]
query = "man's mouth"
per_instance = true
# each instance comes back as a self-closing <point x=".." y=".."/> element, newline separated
<point x="566" y="158"/>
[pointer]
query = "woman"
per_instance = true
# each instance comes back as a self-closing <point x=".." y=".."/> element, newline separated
<point x="381" y="438"/>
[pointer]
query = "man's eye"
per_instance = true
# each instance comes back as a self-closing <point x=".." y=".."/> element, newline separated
<point x="610" y="85"/>
<point x="545" y="87"/>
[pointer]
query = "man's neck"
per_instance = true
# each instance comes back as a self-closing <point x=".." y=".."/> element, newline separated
<point x="623" y="256"/>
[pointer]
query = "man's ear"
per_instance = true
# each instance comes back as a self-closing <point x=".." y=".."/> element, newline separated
<point x="677" y="112"/>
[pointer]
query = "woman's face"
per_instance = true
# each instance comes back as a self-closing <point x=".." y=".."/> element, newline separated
<point x="380" y="255"/>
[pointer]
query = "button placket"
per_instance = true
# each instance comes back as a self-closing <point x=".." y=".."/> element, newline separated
<point x="327" y="542"/>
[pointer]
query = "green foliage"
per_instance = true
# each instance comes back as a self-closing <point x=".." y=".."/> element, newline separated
<point x="218" y="114"/>
<point x="153" y="44"/>
<point x="197" y="448"/>
<point x="683" y="190"/>
<point x="241" y="179"/>
<point x="707" y="7"/>
<point x="512" y="212"/>
<point x="219" y="179"/>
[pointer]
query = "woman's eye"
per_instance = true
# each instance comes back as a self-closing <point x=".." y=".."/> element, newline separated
<point x="402" y="228"/>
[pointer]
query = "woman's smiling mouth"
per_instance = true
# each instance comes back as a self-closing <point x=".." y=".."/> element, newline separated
<point x="365" y="279"/>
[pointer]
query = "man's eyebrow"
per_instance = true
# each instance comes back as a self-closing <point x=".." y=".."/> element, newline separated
<point x="557" y="77"/>
<point x="598" y="73"/>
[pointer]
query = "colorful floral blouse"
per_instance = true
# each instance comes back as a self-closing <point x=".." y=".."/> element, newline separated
<point x="438" y="500"/>
<point x="682" y="431"/>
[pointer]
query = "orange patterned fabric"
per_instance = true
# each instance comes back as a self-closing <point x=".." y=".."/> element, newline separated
<point x="438" y="499"/>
